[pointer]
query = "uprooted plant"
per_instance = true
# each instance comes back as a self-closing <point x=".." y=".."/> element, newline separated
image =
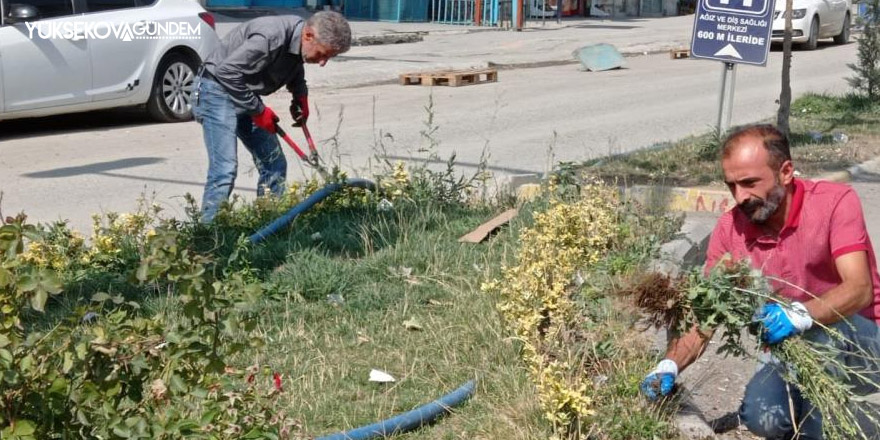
<point x="725" y="299"/>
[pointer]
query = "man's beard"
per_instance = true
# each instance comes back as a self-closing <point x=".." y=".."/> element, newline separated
<point x="760" y="210"/>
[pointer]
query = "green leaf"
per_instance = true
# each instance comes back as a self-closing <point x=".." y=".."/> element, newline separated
<point x="81" y="418"/>
<point x="82" y="350"/>
<point x="177" y="384"/>
<point x="254" y="433"/>
<point x="23" y="428"/>
<point x="5" y="357"/>
<point x="185" y="426"/>
<point x="50" y="282"/>
<point x="4" y="340"/>
<point x="100" y="297"/>
<point x="5" y="277"/>
<point x="143" y="271"/>
<point x="11" y="377"/>
<point x="67" y="364"/>
<point x="209" y="416"/>
<point x="26" y="363"/>
<point x="122" y="431"/>
<point x="27" y="283"/>
<point x="38" y="299"/>
<point x="59" y="386"/>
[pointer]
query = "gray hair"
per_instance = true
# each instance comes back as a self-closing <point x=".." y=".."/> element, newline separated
<point x="331" y="30"/>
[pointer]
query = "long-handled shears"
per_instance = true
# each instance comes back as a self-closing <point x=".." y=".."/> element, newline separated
<point x="312" y="159"/>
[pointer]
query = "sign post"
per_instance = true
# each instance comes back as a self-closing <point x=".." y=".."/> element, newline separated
<point x="733" y="32"/>
<point x="728" y="83"/>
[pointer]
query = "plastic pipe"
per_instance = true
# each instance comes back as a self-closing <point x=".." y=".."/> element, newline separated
<point x="307" y="204"/>
<point x="410" y="420"/>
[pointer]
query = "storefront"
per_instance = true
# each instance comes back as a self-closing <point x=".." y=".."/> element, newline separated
<point x="638" y="8"/>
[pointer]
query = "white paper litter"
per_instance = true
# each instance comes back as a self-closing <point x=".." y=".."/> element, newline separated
<point x="381" y="376"/>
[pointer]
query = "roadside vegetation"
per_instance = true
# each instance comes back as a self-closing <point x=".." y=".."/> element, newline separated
<point x="828" y="133"/>
<point x="156" y="327"/>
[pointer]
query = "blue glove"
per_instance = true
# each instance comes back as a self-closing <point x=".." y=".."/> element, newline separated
<point x="781" y="322"/>
<point x="659" y="383"/>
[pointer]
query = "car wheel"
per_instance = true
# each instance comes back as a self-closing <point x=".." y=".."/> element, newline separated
<point x="172" y="91"/>
<point x="843" y="36"/>
<point x="813" y="42"/>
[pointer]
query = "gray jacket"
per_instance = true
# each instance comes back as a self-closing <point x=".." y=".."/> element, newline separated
<point x="257" y="58"/>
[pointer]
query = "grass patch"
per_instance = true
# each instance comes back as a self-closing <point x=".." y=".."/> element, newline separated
<point x="203" y="334"/>
<point x="817" y="121"/>
<point x="353" y="288"/>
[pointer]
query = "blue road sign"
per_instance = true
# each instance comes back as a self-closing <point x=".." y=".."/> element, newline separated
<point x="733" y="31"/>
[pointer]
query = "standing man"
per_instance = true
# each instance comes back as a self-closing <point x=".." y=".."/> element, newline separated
<point x="254" y="60"/>
<point x="810" y="234"/>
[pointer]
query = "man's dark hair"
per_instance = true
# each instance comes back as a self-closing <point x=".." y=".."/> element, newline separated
<point x="774" y="141"/>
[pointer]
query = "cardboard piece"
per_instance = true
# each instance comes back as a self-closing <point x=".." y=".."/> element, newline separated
<point x="599" y="57"/>
<point x="481" y="232"/>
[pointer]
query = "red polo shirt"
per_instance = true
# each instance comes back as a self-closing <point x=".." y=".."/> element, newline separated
<point x="824" y="222"/>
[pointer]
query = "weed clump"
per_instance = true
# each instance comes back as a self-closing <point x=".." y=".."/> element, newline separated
<point x="726" y="299"/>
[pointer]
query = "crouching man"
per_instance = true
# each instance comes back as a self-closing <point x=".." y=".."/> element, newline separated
<point x="812" y="235"/>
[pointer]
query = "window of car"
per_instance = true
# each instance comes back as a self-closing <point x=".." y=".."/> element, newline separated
<point x="109" y="5"/>
<point x="48" y="8"/>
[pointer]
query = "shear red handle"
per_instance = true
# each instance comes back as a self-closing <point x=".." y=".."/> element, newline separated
<point x="312" y="149"/>
<point x="299" y="152"/>
<point x="313" y="160"/>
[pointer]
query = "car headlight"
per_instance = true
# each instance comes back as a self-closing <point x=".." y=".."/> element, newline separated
<point x="797" y="14"/>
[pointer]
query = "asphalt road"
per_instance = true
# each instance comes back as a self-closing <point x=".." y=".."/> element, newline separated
<point x="70" y="167"/>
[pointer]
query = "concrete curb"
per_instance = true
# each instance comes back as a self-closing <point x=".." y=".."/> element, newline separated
<point x="716" y="200"/>
<point x="868" y="167"/>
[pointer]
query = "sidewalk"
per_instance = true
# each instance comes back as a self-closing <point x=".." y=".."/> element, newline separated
<point x="464" y="47"/>
<point x="228" y="18"/>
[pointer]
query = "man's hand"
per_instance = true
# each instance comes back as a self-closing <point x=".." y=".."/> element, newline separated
<point x="299" y="110"/>
<point x="659" y="383"/>
<point x="781" y="322"/>
<point x="266" y="120"/>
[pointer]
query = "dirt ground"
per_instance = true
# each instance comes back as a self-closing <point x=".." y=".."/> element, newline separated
<point x="714" y="385"/>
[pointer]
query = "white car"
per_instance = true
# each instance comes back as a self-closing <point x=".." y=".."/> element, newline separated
<point x="812" y="20"/>
<point x="64" y="56"/>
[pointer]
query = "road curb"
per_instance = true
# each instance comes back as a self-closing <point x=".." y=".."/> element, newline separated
<point x="853" y="172"/>
<point x="717" y="200"/>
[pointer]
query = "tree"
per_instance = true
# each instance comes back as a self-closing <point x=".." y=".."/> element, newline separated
<point x="785" y="95"/>
<point x="867" y="69"/>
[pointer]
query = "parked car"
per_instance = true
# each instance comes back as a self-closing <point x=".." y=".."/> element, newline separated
<point x="812" y="20"/>
<point x="64" y="56"/>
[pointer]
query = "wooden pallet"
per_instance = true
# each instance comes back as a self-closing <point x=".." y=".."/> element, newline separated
<point x="679" y="53"/>
<point x="452" y="78"/>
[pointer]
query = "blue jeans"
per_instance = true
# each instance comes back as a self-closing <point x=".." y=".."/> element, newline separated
<point x="766" y="410"/>
<point x="223" y="125"/>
